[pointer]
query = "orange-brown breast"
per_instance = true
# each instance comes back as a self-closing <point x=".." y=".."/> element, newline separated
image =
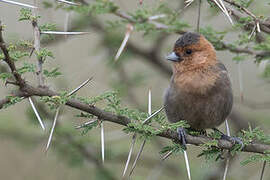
<point x="196" y="81"/>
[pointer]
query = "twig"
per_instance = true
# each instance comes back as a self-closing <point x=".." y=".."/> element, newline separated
<point x="8" y="59"/>
<point x="36" y="113"/>
<point x="37" y="49"/>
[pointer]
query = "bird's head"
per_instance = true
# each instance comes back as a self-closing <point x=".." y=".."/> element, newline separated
<point x="192" y="51"/>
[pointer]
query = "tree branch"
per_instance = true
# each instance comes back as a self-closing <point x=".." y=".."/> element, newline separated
<point x="8" y="59"/>
<point x="29" y="90"/>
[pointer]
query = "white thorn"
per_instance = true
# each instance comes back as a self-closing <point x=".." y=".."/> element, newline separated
<point x="36" y="113"/>
<point x="226" y="169"/>
<point x="149" y="102"/>
<point x="102" y="142"/>
<point x="227" y="128"/>
<point x="68" y="2"/>
<point x="18" y="3"/>
<point x="63" y="33"/>
<point x="79" y="87"/>
<point x="252" y="32"/>
<point x="187" y="164"/>
<point x="85" y="124"/>
<point x="188" y="2"/>
<point x="166" y="155"/>
<point x="137" y="157"/>
<point x="124" y="42"/>
<point x="129" y="154"/>
<point x="154" y="114"/>
<point x="228" y="160"/>
<point x="223" y="9"/>
<point x="258" y="27"/>
<point x="52" y="129"/>
<point x="151" y="18"/>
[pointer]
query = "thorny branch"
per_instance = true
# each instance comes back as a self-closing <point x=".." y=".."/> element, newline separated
<point x="27" y="90"/>
<point x="37" y="49"/>
<point x="8" y="59"/>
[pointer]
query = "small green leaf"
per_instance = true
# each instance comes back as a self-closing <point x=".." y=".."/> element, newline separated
<point x="26" y="68"/>
<point x="44" y="53"/>
<point x="53" y="73"/>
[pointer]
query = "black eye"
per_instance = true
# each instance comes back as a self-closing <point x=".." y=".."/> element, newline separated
<point x="188" y="51"/>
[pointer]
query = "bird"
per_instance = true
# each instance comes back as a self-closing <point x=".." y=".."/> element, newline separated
<point x="200" y="90"/>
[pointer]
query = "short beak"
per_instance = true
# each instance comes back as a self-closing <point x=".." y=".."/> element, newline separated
<point x="173" y="57"/>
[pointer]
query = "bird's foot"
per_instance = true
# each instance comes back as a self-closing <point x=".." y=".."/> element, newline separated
<point x="182" y="136"/>
<point x="234" y="140"/>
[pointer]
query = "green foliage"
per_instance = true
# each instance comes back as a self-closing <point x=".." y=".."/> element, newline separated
<point x="47" y="27"/>
<point x="4" y="76"/>
<point x="26" y="15"/>
<point x="89" y="127"/>
<point x="145" y="131"/>
<point x="239" y="58"/>
<point x="53" y="73"/>
<point x="96" y="7"/>
<point x="2" y="56"/>
<point x="174" y="148"/>
<point x="214" y="37"/>
<point x="55" y="101"/>
<point x="266" y="72"/>
<point x="17" y="55"/>
<point x="211" y="153"/>
<point x="256" y="158"/>
<point x="12" y="100"/>
<point x="27" y="67"/>
<point x="47" y="4"/>
<point x="255" y="134"/>
<point x="244" y="3"/>
<point x="25" y="44"/>
<point x="243" y="39"/>
<point x="264" y="46"/>
<point x="43" y="54"/>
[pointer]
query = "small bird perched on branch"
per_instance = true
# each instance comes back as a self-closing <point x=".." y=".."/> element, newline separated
<point x="200" y="90"/>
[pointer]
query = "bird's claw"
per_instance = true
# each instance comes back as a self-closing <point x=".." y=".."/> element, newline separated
<point x="234" y="140"/>
<point x="182" y="136"/>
